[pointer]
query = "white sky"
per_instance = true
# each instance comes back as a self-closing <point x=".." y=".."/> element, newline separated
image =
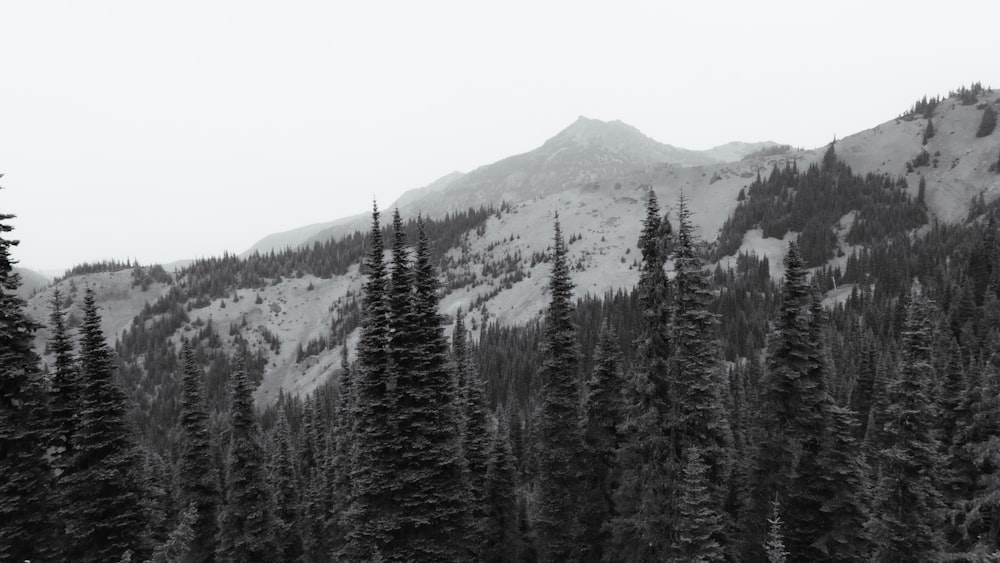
<point x="170" y="130"/>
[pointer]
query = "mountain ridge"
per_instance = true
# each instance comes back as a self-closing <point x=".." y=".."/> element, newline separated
<point x="588" y="150"/>
<point x="497" y="272"/>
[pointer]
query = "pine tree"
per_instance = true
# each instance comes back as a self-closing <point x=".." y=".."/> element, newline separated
<point x="602" y="416"/>
<point x="700" y="420"/>
<point x="336" y="480"/>
<point x="432" y="498"/>
<point x="791" y="354"/>
<point x="974" y="463"/>
<point x="156" y="498"/>
<point x="102" y="504"/>
<point x="864" y="386"/>
<point x="774" y="546"/>
<point x="844" y="489"/>
<point x="560" y="443"/>
<point x="284" y="480"/>
<point x="475" y="437"/>
<point x="875" y="432"/>
<point x="402" y="318"/>
<point x="501" y="533"/>
<point x="643" y="507"/>
<point x="198" y="486"/>
<point x="699" y="520"/>
<point x="65" y="383"/>
<point x="372" y="517"/>
<point x="811" y="485"/>
<point x="908" y="514"/>
<point x="246" y="522"/>
<point x="928" y="131"/>
<point x="25" y="527"/>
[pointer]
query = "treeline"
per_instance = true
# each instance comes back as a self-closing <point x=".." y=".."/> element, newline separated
<point x="218" y="277"/>
<point x="98" y="267"/>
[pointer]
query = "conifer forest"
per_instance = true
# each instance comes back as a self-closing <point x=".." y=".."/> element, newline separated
<point x="711" y="413"/>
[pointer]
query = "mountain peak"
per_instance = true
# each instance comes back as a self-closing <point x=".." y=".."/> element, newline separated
<point x="585" y="131"/>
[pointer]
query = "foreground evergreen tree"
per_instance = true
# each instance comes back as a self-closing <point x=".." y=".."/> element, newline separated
<point x="102" y="504"/>
<point x="372" y="518"/>
<point x="433" y="497"/>
<point x="791" y="355"/>
<point x="198" y="486"/>
<point x="602" y="416"/>
<point x="643" y="519"/>
<point x="701" y="421"/>
<point x="246" y="523"/>
<point x="25" y="511"/>
<point x="908" y="515"/>
<point x="559" y="438"/>
<point x="812" y="485"/>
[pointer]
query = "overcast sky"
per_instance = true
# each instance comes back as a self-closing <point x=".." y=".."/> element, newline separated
<point x="170" y="130"/>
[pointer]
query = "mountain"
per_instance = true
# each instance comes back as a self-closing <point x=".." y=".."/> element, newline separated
<point x="595" y="175"/>
<point x="587" y="152"/>
<point x="31" y="281"/>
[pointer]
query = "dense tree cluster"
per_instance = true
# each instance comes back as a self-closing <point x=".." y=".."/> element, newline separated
<point x="988" y="122"/>
<point x="814" y="202"/>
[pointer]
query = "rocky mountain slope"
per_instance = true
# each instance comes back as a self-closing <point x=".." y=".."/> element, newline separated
<point x="595" y="175"/>
<point x="587" y="152"/>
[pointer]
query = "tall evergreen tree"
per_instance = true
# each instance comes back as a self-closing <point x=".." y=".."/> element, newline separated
<point x="560" y="444"/>
<point x="864" y="385"/>
<point x="25" y="509"/>
<point x="643" y="522"/>
<point x="602" y="417"/>
<point x="810" y="487"/>
<point x="102" y="504"/>
<point x="284" y="479"/>
<point x="198" y="486"/>
<point x="791" y="354"/>
<point x="700" y="420"/>
<point x="843" y="489"/>
<point x="908" y="515"/>
<point x="402" y="338"/>
<point x="333" y="502"/>
<point x="501" y="533"/>
<point x="433" y="509"/>
<point x="372" y="518"/>
<point x="475" y="437"/>
<point x="246" y="522"/>
<point x="64" y="382"/>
